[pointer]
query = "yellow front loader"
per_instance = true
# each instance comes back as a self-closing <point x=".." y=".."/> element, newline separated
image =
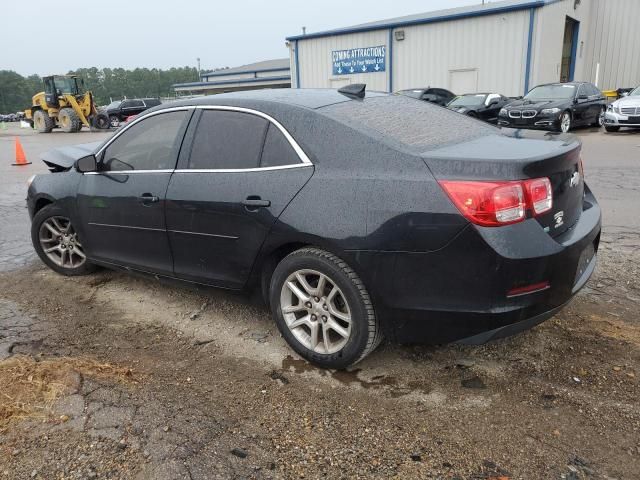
<point x="63" y="105"/>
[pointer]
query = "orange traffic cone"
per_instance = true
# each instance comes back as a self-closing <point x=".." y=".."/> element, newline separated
<point x="21" y="159"/>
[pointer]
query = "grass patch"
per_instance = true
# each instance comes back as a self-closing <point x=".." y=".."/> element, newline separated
<point x="29" y="388"/>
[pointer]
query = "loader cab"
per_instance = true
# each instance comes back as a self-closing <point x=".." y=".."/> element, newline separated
<point x="56" y="86"/>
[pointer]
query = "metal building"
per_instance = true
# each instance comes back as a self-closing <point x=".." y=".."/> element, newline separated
<point x="507" y="46"/>
<point x="265" y="74"/>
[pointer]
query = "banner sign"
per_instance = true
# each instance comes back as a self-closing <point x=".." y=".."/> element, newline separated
<point x="359" y="60"/>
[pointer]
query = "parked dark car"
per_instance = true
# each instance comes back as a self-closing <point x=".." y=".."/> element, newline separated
<point x="120" y="110"/>
<point x="484" y="106"/>
<point x="355" y="218"/>
<point x="556" y="106"/>
<point x="439" y="96"/>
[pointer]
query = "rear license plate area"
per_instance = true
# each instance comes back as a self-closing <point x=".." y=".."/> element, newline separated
<point x="586" y="257"/>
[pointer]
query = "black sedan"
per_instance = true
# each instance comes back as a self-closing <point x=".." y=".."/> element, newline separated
<point x="439" y="96"/>
<point x="484" y="106"/>
<point x="556" y="106"/>
<point x="357" y="218"/>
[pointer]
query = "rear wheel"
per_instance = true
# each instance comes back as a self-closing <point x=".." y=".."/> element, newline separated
<point x="42" y="122"/>
<point x="56" y="242"/>
<point x="600" y="118"/>
<point x="68" y="120"/>
<point x="323" y="309"/>
<point x="611" y="129"/>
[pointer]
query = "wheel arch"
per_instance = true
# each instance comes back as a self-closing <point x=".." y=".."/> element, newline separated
<point x="272" y="254"/>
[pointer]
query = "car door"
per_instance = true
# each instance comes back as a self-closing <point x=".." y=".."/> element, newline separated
<point x="582" y="106"/>
<point x="241" y="171"/>
<point x="121" y="206"/>
<point x="490" y="111"/>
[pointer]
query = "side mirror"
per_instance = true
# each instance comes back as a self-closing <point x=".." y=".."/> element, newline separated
<point x="494" y="101"/>
<point x="582" y="98"/>
<point x="624" y="94"/>
<point x="87" y="164"/>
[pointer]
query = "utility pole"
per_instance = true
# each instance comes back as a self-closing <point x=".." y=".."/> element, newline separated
<point x="199" y="77"/>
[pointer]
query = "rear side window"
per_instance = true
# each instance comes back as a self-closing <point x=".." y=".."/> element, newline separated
<point x="277" y="150"/>
<point x="227" y="140"/>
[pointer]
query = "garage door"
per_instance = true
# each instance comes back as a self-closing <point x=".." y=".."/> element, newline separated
<point x="463" y="81"/>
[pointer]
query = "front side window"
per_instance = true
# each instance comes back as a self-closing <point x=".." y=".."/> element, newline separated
<point x="227" y="140"/>
<point x="151" y="144"/>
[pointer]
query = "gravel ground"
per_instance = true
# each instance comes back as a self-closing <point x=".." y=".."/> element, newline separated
<point x="216" y="393"/>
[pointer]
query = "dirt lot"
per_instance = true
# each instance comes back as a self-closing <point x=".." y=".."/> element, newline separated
<point x="111" y="376"/>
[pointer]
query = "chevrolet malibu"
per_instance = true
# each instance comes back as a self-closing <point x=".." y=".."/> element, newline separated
<point x="358" y="215"/>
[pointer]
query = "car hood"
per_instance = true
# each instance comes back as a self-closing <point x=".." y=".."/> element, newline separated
<point x="63" y="158"/>
<point x="537" y="105"/>
<point x="628" y="102"/>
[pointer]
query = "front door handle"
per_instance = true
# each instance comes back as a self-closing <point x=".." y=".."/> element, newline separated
<point x="147" y="198"/>
<point x="254" y="202"/>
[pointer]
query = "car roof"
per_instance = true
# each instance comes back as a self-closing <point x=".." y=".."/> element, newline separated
<point x="312" y="98"/>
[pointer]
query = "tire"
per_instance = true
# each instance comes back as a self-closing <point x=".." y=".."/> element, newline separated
<point x="101" y="121"/>
<point x="339" y="343"/>
<point x="43" y="238"/>
<point x="42" y="122"/>
<point x="599" y="121"/>
<point x="68" y="120"/>
<point x="114" y="121"/>
<point x="611" y="129"/>
<point x="565" y="123"/>
<point x="472" y="115"/>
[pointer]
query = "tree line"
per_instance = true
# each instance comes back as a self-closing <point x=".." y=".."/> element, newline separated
<point x="107" y="84"/>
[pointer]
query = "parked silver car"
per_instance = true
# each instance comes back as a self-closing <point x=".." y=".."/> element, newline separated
<point x="624" y="112"/>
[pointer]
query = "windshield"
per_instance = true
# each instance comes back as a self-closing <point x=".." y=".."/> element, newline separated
<point x="65" y="84"/>
<point x="551" y="92"/>
<point x="411" y="93"/>
<point x="635" y="92"/>
<point x="468" y="100"/>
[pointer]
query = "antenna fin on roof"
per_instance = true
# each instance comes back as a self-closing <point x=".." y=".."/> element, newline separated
<point x="354" y="90"/>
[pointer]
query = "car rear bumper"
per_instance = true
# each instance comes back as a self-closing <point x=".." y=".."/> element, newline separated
<point x="460" y="292"/>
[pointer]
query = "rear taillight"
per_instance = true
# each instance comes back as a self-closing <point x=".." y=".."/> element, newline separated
<point x="492" y="204"/>
<point x="539" y="195"/>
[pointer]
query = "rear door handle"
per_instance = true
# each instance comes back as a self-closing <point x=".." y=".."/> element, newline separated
<point x="147" y="198"/>
<point x="255" y="202"/>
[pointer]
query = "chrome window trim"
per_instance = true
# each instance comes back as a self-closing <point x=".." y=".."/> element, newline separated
<point x="241" y="170"/>
<point x="129" y="172"/>
<point x="304" y="159"/>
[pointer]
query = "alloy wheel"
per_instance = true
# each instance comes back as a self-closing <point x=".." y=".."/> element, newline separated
<point x="565" y="122"/>
<point x="316" y="311"/>
<point x="601" y="117"/>
<point x="59" y="242"/>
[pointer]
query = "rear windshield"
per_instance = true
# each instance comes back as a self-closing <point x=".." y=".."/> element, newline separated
<point x="414" y="124"/>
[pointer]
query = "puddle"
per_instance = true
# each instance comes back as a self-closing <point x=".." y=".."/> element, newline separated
<point x="352" y="378"/>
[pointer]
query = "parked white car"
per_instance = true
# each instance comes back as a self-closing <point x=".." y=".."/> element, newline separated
<point x="624" y="112"/>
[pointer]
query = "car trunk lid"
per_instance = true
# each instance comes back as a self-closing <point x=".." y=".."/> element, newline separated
<point x="519" y="156"/>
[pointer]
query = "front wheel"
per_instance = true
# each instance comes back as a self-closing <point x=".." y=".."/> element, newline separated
<point x="565" y="122"/>
<point x="611" y="129"/>
<point x="323" y="309"/>
<point x="114" y="121"/>
<point x="56" y="242"/>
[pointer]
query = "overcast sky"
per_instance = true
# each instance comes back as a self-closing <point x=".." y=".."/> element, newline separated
<point x="146" y="33"/>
